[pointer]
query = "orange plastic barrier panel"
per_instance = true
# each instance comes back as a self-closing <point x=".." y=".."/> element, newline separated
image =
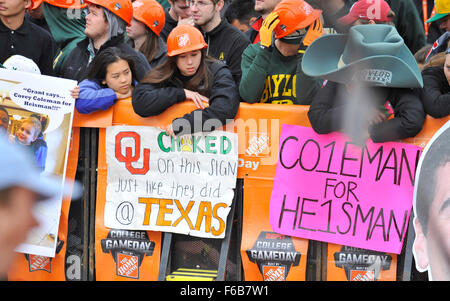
<point x="99" y="119"/>
<point x="121" y="255"/>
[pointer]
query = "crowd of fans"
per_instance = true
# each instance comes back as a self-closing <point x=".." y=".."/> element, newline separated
<point x="325" y="54"/>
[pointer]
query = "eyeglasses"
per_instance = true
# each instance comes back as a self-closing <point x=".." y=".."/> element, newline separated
<point x="199" y="3"/>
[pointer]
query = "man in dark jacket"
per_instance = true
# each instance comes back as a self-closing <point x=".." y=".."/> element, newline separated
<point x="225" y="42"/>
<point x="408" y="23"/>
<point x="103" y="29"/>
<point x="18" y="35"/>
<point x="371" y="93"/>
<point x="179" y="12"/>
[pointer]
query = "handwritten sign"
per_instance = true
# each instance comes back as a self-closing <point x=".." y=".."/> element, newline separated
<point x="180" y="185"/>
<point x="326" y="188"/>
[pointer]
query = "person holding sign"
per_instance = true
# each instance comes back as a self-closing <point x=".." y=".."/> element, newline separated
<point x="110" y="77"/>
<point x="373" y="85"/>
<point x="271" y="70"/>
<point x="188" y="74"/>
<point x="145" y="29"/>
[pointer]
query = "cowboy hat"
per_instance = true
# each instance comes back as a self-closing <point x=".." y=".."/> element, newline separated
<point x="375" y="54"/>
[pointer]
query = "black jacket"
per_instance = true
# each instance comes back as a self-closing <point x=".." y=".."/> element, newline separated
<point x="169" y="24"/>
<point x="436" y="92"/>
<point x="328" y="110"/>
<point x="227" y="43"/>
<point x="153" y="99"/>
<point x="77" y="63"/>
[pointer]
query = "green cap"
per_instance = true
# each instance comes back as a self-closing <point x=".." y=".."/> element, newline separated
<point x="436" y="17"/>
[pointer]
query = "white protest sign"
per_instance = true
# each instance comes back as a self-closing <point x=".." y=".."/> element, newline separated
<point x="181" y="185"/>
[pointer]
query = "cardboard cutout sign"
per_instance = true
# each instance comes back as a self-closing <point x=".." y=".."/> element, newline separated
<point x="27" y="98"/>
<point x="431" y="246"/>
<point x="328" y="189"/>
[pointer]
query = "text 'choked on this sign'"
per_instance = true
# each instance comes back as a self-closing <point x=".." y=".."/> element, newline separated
<point x="182" y="185"/>
<point x="326" y="188"/>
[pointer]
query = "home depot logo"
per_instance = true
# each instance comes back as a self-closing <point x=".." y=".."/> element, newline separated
<point x="362" y="276"/>
<point x="38" y="263"/>
<point x="274" y="273"/>
<point x="127" y="265"/>
<point x="258" y="144"/>
<point x="183" y="40"/>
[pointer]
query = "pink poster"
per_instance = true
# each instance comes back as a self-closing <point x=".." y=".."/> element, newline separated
<point x="326" y="188"/>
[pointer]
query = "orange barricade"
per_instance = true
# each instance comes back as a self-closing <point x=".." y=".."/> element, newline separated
<point x="258" y="127"/>
<point x="112" y="263"/>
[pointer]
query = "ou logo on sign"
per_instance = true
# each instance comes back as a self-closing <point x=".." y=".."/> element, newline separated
<point x="129" y="158"/>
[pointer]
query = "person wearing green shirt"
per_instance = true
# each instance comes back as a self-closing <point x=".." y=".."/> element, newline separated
<point x="271" y="69"/>
<point x="66" y="20"/>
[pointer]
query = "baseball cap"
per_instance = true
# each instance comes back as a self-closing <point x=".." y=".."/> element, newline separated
<point x="436" y="17"/>
<point x="17" y="168"/>
<point x="376" y="10"/>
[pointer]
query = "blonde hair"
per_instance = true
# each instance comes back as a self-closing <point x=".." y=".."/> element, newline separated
<point x="36" y="125"/>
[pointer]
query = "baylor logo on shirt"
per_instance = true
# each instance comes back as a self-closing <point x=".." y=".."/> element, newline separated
<point x="280" y="89"/>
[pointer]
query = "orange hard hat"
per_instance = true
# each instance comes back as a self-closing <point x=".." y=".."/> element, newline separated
<point x="76" y="4"/>
<point x="151" y="13"/>
<point x="184" y="38"/>
<point x="35" y="4"/>
<point x="121" y="8"/>
<point x="294" y="15"/>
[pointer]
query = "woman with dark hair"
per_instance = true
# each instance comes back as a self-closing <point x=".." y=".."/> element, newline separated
<point x="436" y="85"/>
<point x="145" y="28"/>
<point x="188" y="74"/>
<point x="111" y="76"/>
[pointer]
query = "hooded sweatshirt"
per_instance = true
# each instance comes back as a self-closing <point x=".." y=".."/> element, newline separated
<point x="270" y="77"/>
<point x="79" y="59"/>
<point x="67" y="30"/>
